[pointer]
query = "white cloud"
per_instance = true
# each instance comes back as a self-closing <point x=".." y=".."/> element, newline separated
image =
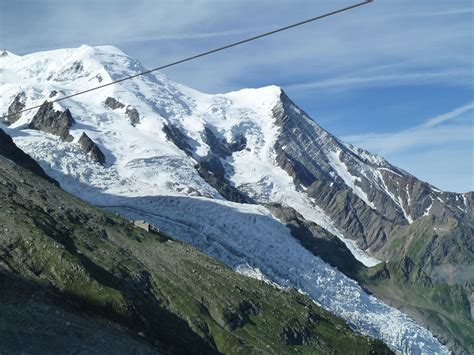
<point x="433" y="131"/>
<point x="440" y="150"/>
<point x="387" y="80"/>
<point x="435" y="121"/>
<point x="416" y="138"/>
<point x="461" y="11"/>
<point x="185" y="36"/>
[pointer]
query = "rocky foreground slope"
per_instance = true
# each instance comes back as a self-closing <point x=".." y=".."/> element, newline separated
<point x="75" y="279"/>
<point x="251" y="180"/>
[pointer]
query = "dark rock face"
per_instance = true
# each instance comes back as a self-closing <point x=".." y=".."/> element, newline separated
<point x="86" y="143"/>
<point x="218" y="147"/>
<point x="296" y="333"/>
<point x="210" y="168"/>
<point x="133" y="115"/>
<point x="77" y="67"/>
<point x="212" y="172"/>
<point x="9" y="150"/>
<point x="53" y="93"/>
<point x="179" y="139"/>
<point x="238" y="318"/>
<point x="318" y="241"/>
<point x="91" y="148"/>
<point x="18" y="104"/>
<point x="294" y="168"/>
<point x="130" y="111"/>
<point x="113" y="103"/>
<point x="300" y="150"/>
<point x="48" y="120"/>
<point x="351" y="214"/>
<point x="297" y="142"/>
<point x="238" y="143"/>
<point x="213" y="168"/>
<point x="76" y="70"/>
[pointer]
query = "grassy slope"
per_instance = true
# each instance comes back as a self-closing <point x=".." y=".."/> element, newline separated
<point x="176" y="296"/>
<point x="444" y="308"/>
<point x="403" y="282"/>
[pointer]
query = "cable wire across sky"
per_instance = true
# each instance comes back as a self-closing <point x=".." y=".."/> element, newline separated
<point x="203" y="54"/>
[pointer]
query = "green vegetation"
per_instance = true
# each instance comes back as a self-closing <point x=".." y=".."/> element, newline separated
<point x="405" y="281"/>
<point x="443" y="309"/>
<point x="175" y="297"/>
<point x="408" y="281"/>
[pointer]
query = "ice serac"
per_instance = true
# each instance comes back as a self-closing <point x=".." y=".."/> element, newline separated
<point x="202" y="167"/>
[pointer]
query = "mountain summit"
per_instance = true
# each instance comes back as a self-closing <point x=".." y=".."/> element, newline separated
<point x="253" y="181"/>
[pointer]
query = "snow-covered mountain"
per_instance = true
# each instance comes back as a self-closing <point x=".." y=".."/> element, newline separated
<point x="202" y="168"/>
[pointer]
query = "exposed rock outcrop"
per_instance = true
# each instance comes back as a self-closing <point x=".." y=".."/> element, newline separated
<point x="239" y="317"/>
<point x="112" y="103"/>
<point x="296" y="335"/>
<point x="91" y="148"/>
<point x="17" y="105"/>
<point x="210" y="168"/>
<point x="218" y="147"/>
<point x="74" y="71"/>
<point x="317" y="240"/>
<point x="130" y="111"/>
<point x="238" y="143"/>
<point x="179" y="139"/>
<point x="214" y="169"/>
<point x="212" y="172"/>
<point x="48" y="120"/>
<point x="133" y="115"/>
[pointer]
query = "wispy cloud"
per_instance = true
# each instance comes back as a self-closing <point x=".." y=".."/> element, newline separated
<point x="421" y="78"/>
<point x="435" y="121"/>
<point x="185" y="36"/>
<point x="462" y="11"/>
<point x="440" y="150"/>
<point x="434" y="131"/>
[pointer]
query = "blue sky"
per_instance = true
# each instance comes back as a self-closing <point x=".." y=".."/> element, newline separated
<point x="395" y="77"/>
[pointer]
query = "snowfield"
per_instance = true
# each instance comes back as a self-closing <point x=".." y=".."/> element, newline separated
<point x="148" y="177"/>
